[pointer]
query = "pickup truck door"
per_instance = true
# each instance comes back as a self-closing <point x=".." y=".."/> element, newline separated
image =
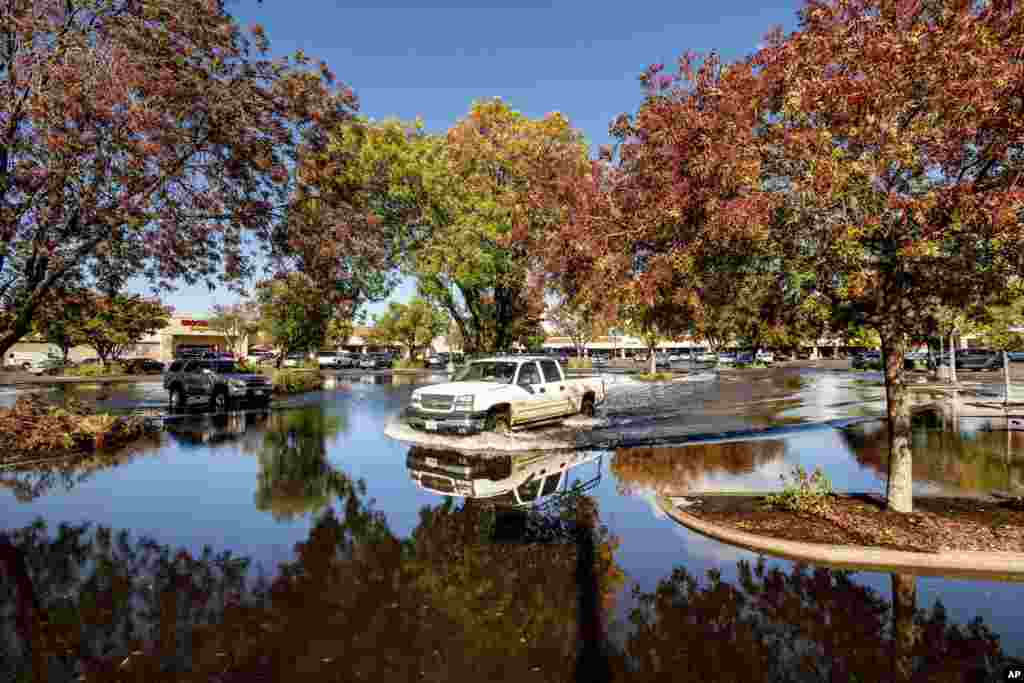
<point x="532" y="404"/>
<point x="559" y="399"/>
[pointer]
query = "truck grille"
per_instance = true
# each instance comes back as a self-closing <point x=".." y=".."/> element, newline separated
<point x="436" y="402"/>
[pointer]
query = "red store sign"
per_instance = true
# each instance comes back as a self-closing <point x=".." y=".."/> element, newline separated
<point x="194" y="323"/>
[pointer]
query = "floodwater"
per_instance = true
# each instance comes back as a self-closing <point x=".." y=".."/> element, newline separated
<point x="300" y="543"/>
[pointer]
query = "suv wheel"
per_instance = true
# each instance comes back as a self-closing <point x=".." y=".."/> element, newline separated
<point x="219" y="401"/>
<point x="178" y="398"/>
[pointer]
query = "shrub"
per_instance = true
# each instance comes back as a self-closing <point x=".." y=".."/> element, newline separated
<point x="655" y="377"/>
<point x="580" y="364"/>
<point x="803" y="492"/>
<point x="404" y="364"/>
<point x="296" y="381"/>
<point x="247" y="367"/>
<point x="96" y="370"/>
<point x="33" y="428"/>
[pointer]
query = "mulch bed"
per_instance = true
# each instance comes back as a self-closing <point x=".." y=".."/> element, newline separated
<point x="936" y="525"/>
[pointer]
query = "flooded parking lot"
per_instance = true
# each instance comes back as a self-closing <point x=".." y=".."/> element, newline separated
<point x="330" y="548"/>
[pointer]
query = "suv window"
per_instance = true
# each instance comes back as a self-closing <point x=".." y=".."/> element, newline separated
<point x="176" y="366"/>
<point x="528" y="374"/>
<point x="550" y="371"/>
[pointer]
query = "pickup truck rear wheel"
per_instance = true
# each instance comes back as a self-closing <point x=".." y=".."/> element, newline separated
<point x="587" y="406"/>
<point x="499" y="422"/>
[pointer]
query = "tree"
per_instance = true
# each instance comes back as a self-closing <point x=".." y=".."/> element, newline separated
<point x="235" y="322"/>
<point x="115" y="324"/>
<point x="575" y="321"/>
<point x="459" y="206"/>
<point x="59" y="321"/>
<point x="899" y="164"/>
<point x="294" y="313"/>
<point x="413" y="325"/>
<point x="150" y="138"/>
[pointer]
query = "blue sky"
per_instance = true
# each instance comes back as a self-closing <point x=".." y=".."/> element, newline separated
<point x="432" y="58"/>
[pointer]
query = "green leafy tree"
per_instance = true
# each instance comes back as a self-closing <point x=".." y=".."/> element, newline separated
<point x="115" y="324"/>
<point x="458" y="205"/>
<point x="577" y="321"/>
<point x="235" y="322"/>
<point x="294" y="313"/>
<point x="60" y="321"/>
<point x="414" y="325"/>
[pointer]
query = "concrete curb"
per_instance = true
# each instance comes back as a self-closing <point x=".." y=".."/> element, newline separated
<point x="966" y="564"/>
<point x="106" y="379"/>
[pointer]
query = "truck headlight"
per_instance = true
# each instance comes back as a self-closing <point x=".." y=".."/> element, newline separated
<point x="464" y="402"/>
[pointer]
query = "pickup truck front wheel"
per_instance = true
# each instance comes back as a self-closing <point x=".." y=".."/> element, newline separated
<point x="587" y="406"/>
<point x="499" y="421"/>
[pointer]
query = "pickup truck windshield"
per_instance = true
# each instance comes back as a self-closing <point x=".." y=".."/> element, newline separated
<point x="488" y="371"/>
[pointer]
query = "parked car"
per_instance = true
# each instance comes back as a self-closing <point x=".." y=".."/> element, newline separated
<point x="501" y="393"/>
<point x="329" y="359"/>
<point x="978" y="360"/>
<point x="662" y="360"/>
<point x="139" y="366"/>
<point x="1015" y="356"/>
<point x="866" y="359"/>
<point x="218" y="382"/>
<point x="745" y="358"/>
<point x="599" y="360"/>
<point x="727" y="358"/>
<point x="766" y="356"/>
<point x="31" y="361"/>
<point x="706" y="357"/>
<point x="438" y="361"/>
<point x="376" y="361"/>
<point x="51" y="366"/>
<point x="294" y="360"/>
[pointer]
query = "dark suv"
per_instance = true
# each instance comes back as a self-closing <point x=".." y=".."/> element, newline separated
<point x="218" y="382"/>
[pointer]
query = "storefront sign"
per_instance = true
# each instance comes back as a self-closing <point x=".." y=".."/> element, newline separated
<point x="194" y="323"/>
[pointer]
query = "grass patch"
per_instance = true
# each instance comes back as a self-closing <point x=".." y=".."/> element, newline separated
<point x="581" y="364"/>
<point x="406" y="364"/>
<point x="655" y="377"/>
<point x="296" y="381"/>
<point x="32" y="428"/>
<point x="96" y="370"/>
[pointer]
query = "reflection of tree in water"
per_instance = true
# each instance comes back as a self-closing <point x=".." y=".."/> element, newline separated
<point x="677" y="469"/>
<point x="977" y="461"/>
<point x="357" y="603"/>
<point x="29" y="482"/>
<point x="805" y="625"/>
<point x="295" y="477"/>
<point x="447" y="603"/>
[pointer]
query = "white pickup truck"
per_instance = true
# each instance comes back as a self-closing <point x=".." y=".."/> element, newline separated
<point x="503" y="393"/>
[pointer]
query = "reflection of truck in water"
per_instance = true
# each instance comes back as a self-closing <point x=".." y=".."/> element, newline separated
<point x="517" y="479"/>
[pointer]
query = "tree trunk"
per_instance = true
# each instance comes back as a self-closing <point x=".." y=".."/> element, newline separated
<point x="904" y="606"/>
<point x="942" y="357"/>
<point x="652" y="362"/>
<point x="899" y="487"/>
<point x="1006" y="375"/>
<point x="952" y="356"/>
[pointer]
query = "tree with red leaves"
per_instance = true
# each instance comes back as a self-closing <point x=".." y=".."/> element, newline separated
<point x="143" y="137"/>
<point x="893" y="132"/>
